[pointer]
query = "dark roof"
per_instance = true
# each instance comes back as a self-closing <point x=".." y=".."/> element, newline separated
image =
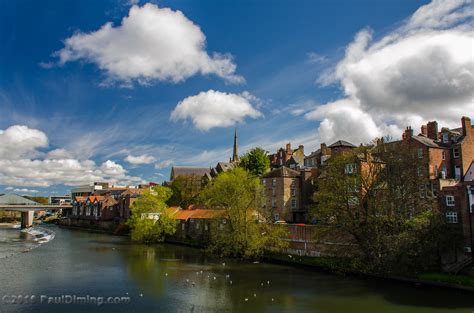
<point x="282" y="171"/>
<point x="225" y="166"/>
<point x="428" y="142"/>
<point x="315" y="153"/>
<point x="12" y="198"/>
<point x="188" y="171"/>
<point x="342" y="143"/>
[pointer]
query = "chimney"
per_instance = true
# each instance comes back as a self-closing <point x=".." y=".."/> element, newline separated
<point x="325" y="150"/>
<point x="408" y="133"/>
<point x="433" y="130"/>
<point x="424" y="130"/>
<point x="288" y="148"/>
<point x="466" y="125"/>
<point x="301" y="148"/>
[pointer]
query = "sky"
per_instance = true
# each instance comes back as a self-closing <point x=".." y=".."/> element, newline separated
<point x="121" y="90"/>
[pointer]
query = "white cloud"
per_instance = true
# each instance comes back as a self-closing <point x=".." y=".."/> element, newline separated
<point x="215" y="109"/>
<point x="25" y="190"/>
<point x="140" y="159"/>
<point x="19" y="140"/>
<point x="58" y="154"/>
<point x="316" y="58"/>
<point x="163" y="164"/>
<point x="21" y="164"/>
<point x="424" y="70"/>
<point x="151" y="43"/>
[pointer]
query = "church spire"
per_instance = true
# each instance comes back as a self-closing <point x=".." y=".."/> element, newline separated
<point x="235" y="155"/>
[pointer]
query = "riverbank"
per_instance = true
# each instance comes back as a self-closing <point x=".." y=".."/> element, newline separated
<point x="343" y="267"/>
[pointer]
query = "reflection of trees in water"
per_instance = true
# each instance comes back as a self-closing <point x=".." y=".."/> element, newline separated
<point x="143" y="267"/>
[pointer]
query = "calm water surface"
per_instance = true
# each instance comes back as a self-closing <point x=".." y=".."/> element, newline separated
<point x="155" y="278"/>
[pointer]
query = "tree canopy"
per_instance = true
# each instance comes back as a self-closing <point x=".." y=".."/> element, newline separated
<point x="144" y="228"/>
<point x="255" y="161"/>
<point x="248" y="231"/>
<point x="377" y="195"/>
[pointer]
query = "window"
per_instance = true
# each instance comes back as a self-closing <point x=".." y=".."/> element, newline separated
<point x="420" y="153"/>
<point x="445" y="137"/>
<point x="182" y="226"/>
<point x="197" y="225"/>
<point x="273" y="192"/>
<point x="420" y="171"/>
<point x="276" y="216"/>
<point x="274" y="182"/>
<point x="456" y="153"/>
<point x="264" y="182"/>
<point x="450" y="201"/>
<point x="274" y="203"/>
<point x="293" y="203"/>
<point x="293" y="192"/>
<point x="422" y="189"/>
<point x="206" y="227"/>
<point x="350" y="168"/>
<point x="452" y="217"/>
<point x="444" y="155"/>
<point x="88" y="210"/>
<point x="457" y="172"/>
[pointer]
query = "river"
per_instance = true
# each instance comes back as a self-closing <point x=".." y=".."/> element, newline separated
<point x="168" y="278"/>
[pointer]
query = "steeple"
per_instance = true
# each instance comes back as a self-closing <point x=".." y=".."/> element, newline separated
<point x="235" y="155"/>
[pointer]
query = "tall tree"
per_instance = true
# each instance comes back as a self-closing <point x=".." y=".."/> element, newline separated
<point x="376" y="194"/>
<point x="248" y="230"/>
<point x="255" y="161"/>
<point x="147" y="229"/>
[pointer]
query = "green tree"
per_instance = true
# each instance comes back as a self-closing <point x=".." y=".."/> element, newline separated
<point x="248" y="230"/>
<point x="185" y="191"/>
<point x="146" y="229"/>
<point x="255" y="161"/>
<point x="376" y="194"/>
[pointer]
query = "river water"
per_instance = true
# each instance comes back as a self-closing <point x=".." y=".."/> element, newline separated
<point x="168" y="278"/>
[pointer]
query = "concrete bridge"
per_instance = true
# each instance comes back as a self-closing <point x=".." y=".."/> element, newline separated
<point x="28" y="210"/>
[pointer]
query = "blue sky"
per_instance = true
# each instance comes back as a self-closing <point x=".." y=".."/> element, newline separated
<point x="79" y="102"/>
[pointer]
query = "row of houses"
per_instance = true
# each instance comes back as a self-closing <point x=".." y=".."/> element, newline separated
<point x="446" y="172"/>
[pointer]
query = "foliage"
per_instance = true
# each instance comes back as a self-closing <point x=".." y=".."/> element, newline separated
<point x="248" y="230"/>
<point x="379" y="202"/>
<point x="42" y="200"/>
<point x="150" y="230"/>
<point x="255" y="161"/>
<point x="184" y="192"/>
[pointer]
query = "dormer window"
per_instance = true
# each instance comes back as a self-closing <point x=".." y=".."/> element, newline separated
<point x="445" y="138"/>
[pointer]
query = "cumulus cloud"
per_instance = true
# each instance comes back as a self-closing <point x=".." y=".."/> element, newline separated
<point x="212" y="108"/>
<point x="150" y="44"/>
<point x="140" y="159"/>
<point x="21" y="164"/>
<point x="18" y="140"/>
<point x="422" y="71"/>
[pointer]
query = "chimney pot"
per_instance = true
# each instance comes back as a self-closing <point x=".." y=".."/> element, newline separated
<point x="466" y="125"/>
<point x="432" y="128"/>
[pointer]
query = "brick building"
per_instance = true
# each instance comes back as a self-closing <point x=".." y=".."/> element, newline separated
<point x="292" y="158"/>
<point x="446" y="164"/>
<point x="283" y="194"/>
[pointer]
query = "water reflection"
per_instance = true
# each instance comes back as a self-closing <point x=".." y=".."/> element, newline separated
<point x="170" y="278"/>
